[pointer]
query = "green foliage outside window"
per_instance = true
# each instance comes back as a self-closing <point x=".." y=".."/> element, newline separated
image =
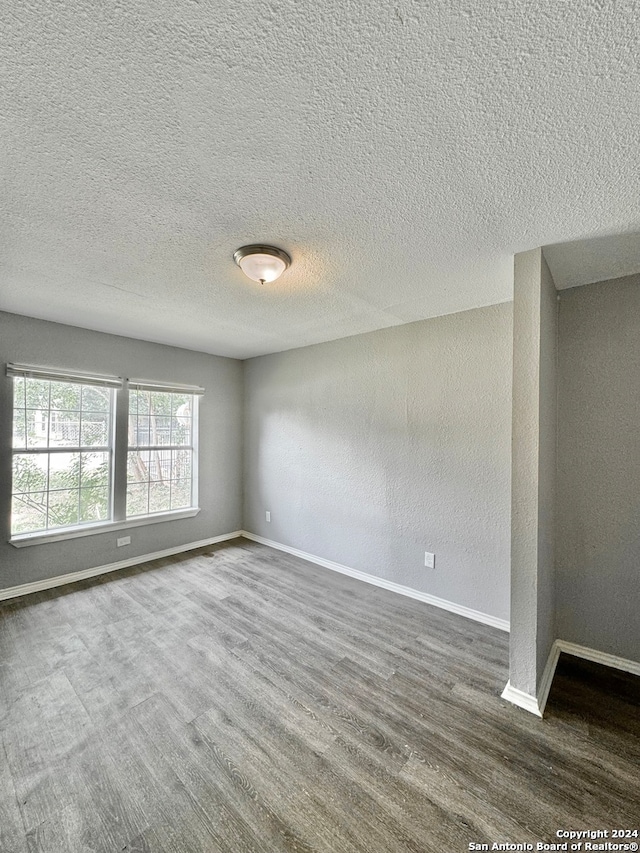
<point x="54" y="483"/>
<point x="62" y="451"/>
<point x="65" y="503"/>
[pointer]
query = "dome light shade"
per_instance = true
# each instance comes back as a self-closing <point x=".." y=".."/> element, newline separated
<point x="262" y="263"/>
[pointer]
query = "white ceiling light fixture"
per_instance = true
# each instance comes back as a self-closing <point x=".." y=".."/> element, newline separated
<point x="262" y="263"/>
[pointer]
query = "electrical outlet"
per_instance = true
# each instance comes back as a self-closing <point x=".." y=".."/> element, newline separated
<point x="125" y="540"/>
<point x="429" y="560"/>
<point x="267" y="515"/>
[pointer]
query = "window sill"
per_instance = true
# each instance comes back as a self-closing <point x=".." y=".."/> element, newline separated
<point x="26" y="539"/>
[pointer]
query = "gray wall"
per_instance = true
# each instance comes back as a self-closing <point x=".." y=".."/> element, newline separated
<point x="370" y="450"/>
<point x="25" y="340"/>
<point x="533" y="470"/>
<point x="598" y="547"/>
<point x="547" y="465"/>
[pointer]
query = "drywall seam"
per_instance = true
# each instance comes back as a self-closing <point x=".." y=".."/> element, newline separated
<point x="442" y="603"/>
<point x="72" y="577"/>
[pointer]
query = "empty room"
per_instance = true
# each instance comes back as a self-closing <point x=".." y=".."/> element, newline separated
<point x="319" y="458"/>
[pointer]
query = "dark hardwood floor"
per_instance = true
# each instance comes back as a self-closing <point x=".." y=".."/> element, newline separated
<point x="239" y="699"/>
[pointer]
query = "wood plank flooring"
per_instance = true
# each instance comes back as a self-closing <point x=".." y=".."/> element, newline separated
<point x="239" y="699"/>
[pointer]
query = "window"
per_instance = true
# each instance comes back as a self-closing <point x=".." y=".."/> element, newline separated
<point x="161" y="451"/>
<point x="62" y="450"/>
<point x="66" y="445"/>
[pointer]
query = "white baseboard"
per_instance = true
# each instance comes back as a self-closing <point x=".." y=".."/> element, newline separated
<point x="521" y="699"/>
<point x="442" y="603"/>
<point x="594" y="655"/>
<point x="61" y="580"/>
<point x="537" y="704"/>
<point x="547" y="676"/>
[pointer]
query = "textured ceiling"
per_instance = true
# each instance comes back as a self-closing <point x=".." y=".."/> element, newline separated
<point x="400" y="151"/>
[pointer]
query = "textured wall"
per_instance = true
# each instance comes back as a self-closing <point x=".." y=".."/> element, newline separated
<point x="372" y="449"/>
<point x="533" y="469"/>
<point x="547" y="464"/>
<point x="598" y="547"/>
<point x="23" y="339"/>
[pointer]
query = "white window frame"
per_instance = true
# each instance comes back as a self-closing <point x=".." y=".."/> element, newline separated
<point x="118" y="440"/>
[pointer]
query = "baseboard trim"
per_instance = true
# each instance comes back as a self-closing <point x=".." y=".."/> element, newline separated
<point x="537" y="704"/>
<point x="547" y="676"/>
<point x="521" y="699"/>
<point x="72" y="577"/>
<point x="442" y="603"/>
<point x="594" y="655"/>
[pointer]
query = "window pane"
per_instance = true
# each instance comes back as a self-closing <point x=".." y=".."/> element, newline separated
<point x="64" y="429"/>
<point x="29" y="513"/>
<point x="142" y="436"/>
<point x="29" y="473"/>
<point x="94" y="504"/>
<point x="143" y="402"/>
<point x="178" y="400"/>
<point x="138" y="466"/>
<point x="65" y="395"/>
<point x="180" y="494"/>
<point x="37" y="427"/>
<point x="181" y="468"/>
<point x="18" y="393"/>
<point x="64" y="470"/>
<point x="19" y="429"/>
<point x="63" y="508"/>
<point x="159" y="498"/>
<point x="37" y="393"/>
<point x="162" y="430"/>
<point x="96" y="399"/>
<point x="94" y="470"/>
<point x="167" y="457"/>
<point x="137" y="499"/>
<point x="183" y="409"/>
<point x="160" y="403"/>
<point x="95" y="430"/>
<point x="182" y="431"/>
<point x="160" y="465"/>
